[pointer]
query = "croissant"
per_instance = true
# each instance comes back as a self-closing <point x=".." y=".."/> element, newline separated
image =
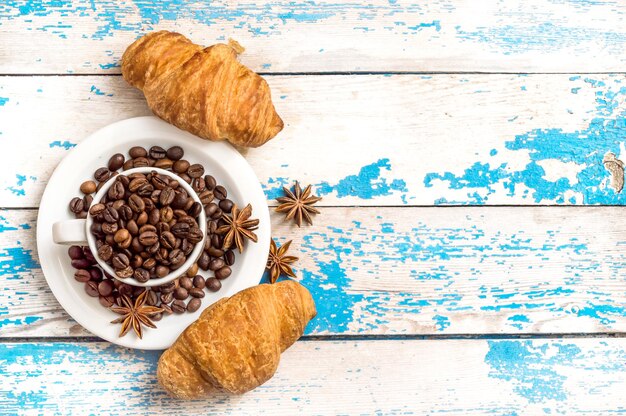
<point x="235" y="344"/>
<point x="205" y="91"/>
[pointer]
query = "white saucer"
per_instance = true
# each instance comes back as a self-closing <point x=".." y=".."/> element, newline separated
<point x="220" y="159"/>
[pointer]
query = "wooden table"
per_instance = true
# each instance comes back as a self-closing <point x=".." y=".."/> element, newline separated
<point x="469" y="257"/>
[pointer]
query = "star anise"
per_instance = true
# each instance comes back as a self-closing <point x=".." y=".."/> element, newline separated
<point x="297" y="204"/>
<point x="238" y="226"/>
<point x="278" y="263"/>
<point x="135" y="315"/>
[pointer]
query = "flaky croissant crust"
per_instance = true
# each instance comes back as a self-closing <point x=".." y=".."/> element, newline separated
<point x="205" y="91"/>
<point x="235" y="344"/>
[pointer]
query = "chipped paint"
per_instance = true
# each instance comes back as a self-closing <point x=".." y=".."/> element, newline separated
<point x="64" y="145"/>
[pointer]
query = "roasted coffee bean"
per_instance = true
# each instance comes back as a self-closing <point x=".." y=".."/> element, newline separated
<point x="109" y="239"/>
<point x="167" y="196"/>
<point x="136" y="261"/>
<point x="110" y="215"/>
<point x="120" y="261"/>
<point x="105" y="287"/>
<point x="124" y="273"/>
<point x="154" y="248"/>
<point x="136" y="246"/>
<point x="167" y="240"/>
<point x="109" y="227"/>
<point x="226" y="205"/>
<point x="195" y="235"/>
<point x="180" y="200"/>
<point x="185" y="177"/>
<point x="147" y="227"/>
<point x="167" y="297"/>
<point x="216" y="264"/>
<point x="75" y="252"/>
<point x="203" y="261"/>
<point x="229" y="257"/>
<point x="178" y="306"/>
<point x="116" y="191"/>
<point x="194" y="304"/>
<point x="96" y="229"/>
<point x="157" y="152"/>
<point x="149" y="263"/>
<point x="88" y="254"/>
<point x="181" y="293"/>
<point x="137" y="151"/>
<point x="116" y="161"/>
<point x="125" y="289"/>
<point x="196" y="293"/>
<point x="167" y="214"/>
<point x="141" y="162"/>
<point x="82" y="275"/>
<point x="198" y="282"/>
<point x="121" y="236"/>
<point x="88" y="187"/>
<point x="195" y="210"/>
<point x="213" y="211"/>
<point x="116" y="205"/>
<point x="206" y="197"/>
<point x="95" y="273"/>
<point x="185" y="282"/>
<point x="186" y="247"/>
<point x="223" y="273"/>
<point x="92" y="289"/>
<point x="166" y="308"/>
<point x="213" y="284"/>
<point x="216" y="241"/>
<point x="87" y="200"/>
<point x="102" y="174"/>
<point x="215" y="252"/>
<point x="220" y="192"/>
<point x="180" y="229"/>
<point x="175" y="152"/>
<point x="136" y="203"/>
<point x="97" y="209"/>
<point x="193" y="270"/>
<point x="152" y="298"/>
<point x="125" y="212"/>
<point x="105" y="252"/>
<point x="132" y="227"/>
<point x="77" y="205"/>
<point x="159" y="182"/>
<point x="168" y="287"/>
<point x="142" y="218"/>
<point x="198" y="185"/>
<point x="106" y="301"/>
<point x="180" y="166"/>
<point x="154" y="217"/>
<point x="141" y="275"/>
<point x="148" y="238"/>
<point x="164" y="163"/>
<point x="137" y="183"/>
<point x="195" y="171"/>
<point x="162" y="271"/>
<point x="81" y="215"/>
<point x="212" y="226"/>
<point x="210" y="182"/>
<point x="176" y="257"/>
<point x="129" y="164"/>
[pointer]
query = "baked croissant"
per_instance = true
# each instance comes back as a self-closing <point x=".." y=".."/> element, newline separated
<point x="235" y="344"/>
<point x="205" y="91"/>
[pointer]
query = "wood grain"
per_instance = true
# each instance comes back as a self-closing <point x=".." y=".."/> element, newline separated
<point x="85" y="36"/>
<point x="421" y="140"/>
<point x="409" y="271"/>
<point x="571" y="376"/>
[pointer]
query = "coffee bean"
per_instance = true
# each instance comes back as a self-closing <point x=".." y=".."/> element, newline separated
<point x="82" y="275"/>
<point x="193" y="270"/>
<point x="206" y="197"/>
<point x="167" y="196"/>
<point x="106" y="301"/>
<point x="148" y="238"/>
<point x="102" y="174"/>
<point x="196" y="293"/>
<point x="185" y="282"/>
<point x="162" y="271"/>
<point x="217" y="214"/>
<point x="198" y="185"/>
<point x="105" y="252"/>
<point x="194" y="210"/>
<point x="216" y="264"/>
<point x="120" y="261"/>
<point x="136" y="203"/>
<point x="121" y="235"/>
<point x="125" y="289"/>
<point x="152" y="298"/>
<point x="75" y="252"/>
<point x="137" y="151"/>
<point x="229" y="257"/>
<point x="110" y="215"/>
<point x="215" y="252"/>
<point x="195" y="235"/>
<point x="76" y="205"/>
<point x="180" y="229"/>
<point x="109" y="228"/>
<point x="195" y="171"/>
<point x="97" y="209"/>
<point x="216" y="241"/>
<point x="176" y="257"/>
<point x="95" y="273"/>
<point x="157" y="152"/>
<point x="116" y="191"/>
<point x="198" y="282"/>
<point x="226" y="205"/>
<point x="136" y="261"/>
<point x="220" y="192"/>
<point x="124" y="273"/>
<point x="132" y="227"/>
<point x="137" y="183"/>
<point x="181" y="293"/>
<point x="210" y="182"/>
<point x="88" y="187"/>
<point x="223" y="273"/>
<point x="203" y="261"/>
<point x="175" y="152"/>
<point x="164" y="163"/>
<point x="166" y="214"/>
<point x="178" y="306"/>
<point x="142" y="218"/>
<point x="125" y="212"/>
<point x="194" y="304"/>
<point x="185" y="177"/>
<point x="213" y="285"/>
<point x="92" y="289"/>
<point x="81" y="263"/>
<point x="180" y="166"/>
<point x="141" y="275"/>
<point x="116" y="161"/>
<point x="105" y="288"/>
<point x="129" y="164"/>
<point x="88" y="254"/>
<point x="180" y="200"/>
<point x="211" y="209"/>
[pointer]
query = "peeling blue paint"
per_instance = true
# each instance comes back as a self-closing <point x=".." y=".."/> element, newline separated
<point x="441" y="322"/>
<point x="65" y="144"/>
<point x="97" y="91"/>
<point x="16" y="260"/>
<point x="109" y="65"/>
<point x="3" y="101"/>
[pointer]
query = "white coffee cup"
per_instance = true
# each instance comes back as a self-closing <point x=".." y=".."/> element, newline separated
<point x="78" y="232"/>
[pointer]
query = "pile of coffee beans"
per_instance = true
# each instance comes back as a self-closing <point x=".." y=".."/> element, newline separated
<point x="127" y="250"/>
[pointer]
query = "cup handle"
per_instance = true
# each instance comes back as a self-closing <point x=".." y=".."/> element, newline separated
<point x="70" y="232"/>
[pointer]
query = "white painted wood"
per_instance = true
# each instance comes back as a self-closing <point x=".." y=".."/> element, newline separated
<point x="405" y="271"/>
<point x="421" y="140"/>
<point x="459" y="377"/>
<point x="85" y="36"/>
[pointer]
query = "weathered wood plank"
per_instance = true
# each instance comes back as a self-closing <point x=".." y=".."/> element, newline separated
<point x="572" y="376"/>
<point x="405" y="271"/>
<point x="421" y="140"/>
<point x="84" y="36"/>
